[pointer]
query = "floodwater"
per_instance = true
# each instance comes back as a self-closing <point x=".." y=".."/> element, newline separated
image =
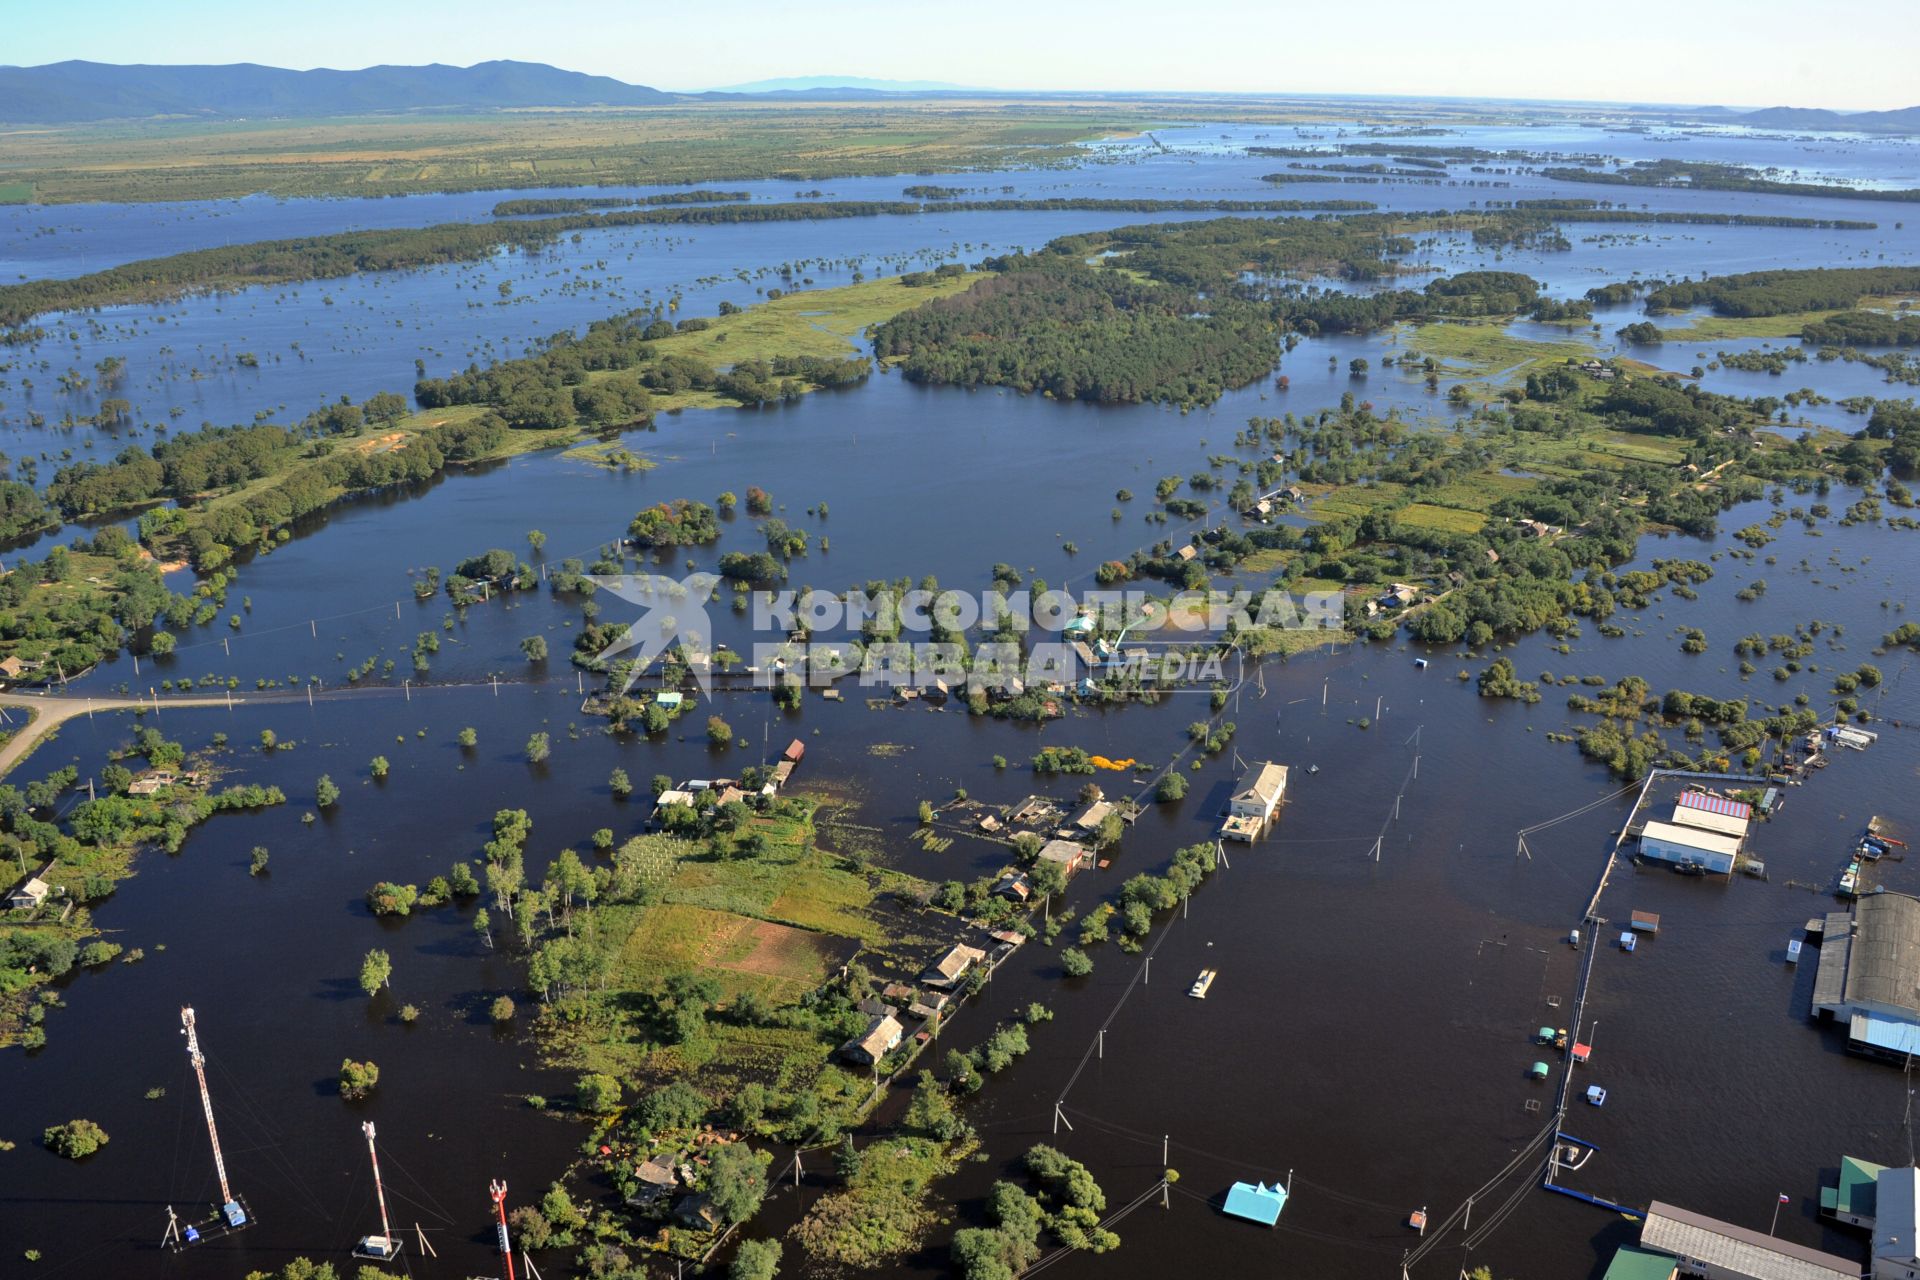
<point x="1384" y="956"/>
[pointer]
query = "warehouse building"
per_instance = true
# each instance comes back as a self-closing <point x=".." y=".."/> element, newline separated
<point x="1709" y="812"/>
<point x="1690" y="847"/>
<point x="1869" y="975"/>
<point x="1719" y="1250"/>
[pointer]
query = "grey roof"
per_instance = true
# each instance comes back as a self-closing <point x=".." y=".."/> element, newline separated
<point x="1830" y="981"/>
<point x="1264" y="784"/>
<point x="1884" y="965"/>
<point x="1896" y="1214"/>
<point x="1064" y="852"/>
<point x="1736" y="1250"/>
<point x="657" y="1172"/>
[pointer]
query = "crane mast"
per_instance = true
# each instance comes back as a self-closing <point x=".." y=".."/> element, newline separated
<point x="380" y="1192"/>
<point x="499" y="1191"/>
<point x="236" y="1215"/>
<point x="383" y="1246"/>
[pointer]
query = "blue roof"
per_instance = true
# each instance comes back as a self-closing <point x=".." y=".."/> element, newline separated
<point x="1895" y="1037"/>
<point x="1257" y="1201"/>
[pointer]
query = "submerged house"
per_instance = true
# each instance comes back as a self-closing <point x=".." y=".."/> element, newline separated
<point x="1069" y="856"/>
<point x="1256" y="1201"/>
<point x="953" y="966"/>
<point x="1254" y="801"/>
<point x="1088" y="820"/>
<point x="1014" y="887"/>
<point x="667" y="800"/>
<point x="697" y="1211"/>
<point x="654" y="1180"/>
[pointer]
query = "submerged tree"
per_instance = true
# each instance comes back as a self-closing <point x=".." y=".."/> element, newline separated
<point x="376" y="971"/>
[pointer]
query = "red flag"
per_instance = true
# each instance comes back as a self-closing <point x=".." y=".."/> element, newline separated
<point x="1785" y="1198"/>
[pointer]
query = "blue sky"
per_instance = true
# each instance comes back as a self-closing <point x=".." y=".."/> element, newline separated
<point x="1857" y="54"/>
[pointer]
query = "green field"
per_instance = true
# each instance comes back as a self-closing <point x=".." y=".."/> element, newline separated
<point x="16" y="193"/>
<point x="1424" y="515"/>
<point x="824" y="322"/>
<point x="681" y="143"/>
<point x="1484" y="349"/>
<point x="689" y="142"/>
<point x="775" y="925"/>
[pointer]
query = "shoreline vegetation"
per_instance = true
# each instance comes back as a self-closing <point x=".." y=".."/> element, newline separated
<point x="239" y="492"/>
<point x="1174" y="312"/>
<point x="586" y="204"/>
<point x="155" y="281"/>
<point x="1707" y="176"/>
<point x="1111" y="315"/>
<point x="270" y="262"/>
<point x="1384" y="161"/>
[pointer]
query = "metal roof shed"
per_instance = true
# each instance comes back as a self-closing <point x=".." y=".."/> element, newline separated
<point x="1689" y="846"/>
<point x="1851" y="1200"/>
<point x="1631" y="1263"/>
<point x="1883" y="965"/>
<point x="1714" y="1248"/>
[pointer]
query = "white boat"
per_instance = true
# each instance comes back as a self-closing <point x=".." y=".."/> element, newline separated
<point x="1200" y="984"/>
<point x="1596" y="1095"/>
<point x="1793" y="951"/>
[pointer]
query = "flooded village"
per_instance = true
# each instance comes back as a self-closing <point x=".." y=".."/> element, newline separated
<point x="747" y="731"/>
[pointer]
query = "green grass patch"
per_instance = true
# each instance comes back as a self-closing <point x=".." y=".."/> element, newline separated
<point x="818" y="322"/>
<point x="1352" y="499"/>
<point x="1485" y="349"/>
<point x="1423" y="515"/>
<point x="1711" y="328"/>
<point x="1481" y="491"/>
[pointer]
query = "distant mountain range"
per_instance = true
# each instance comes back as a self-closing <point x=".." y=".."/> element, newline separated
<point x="810" y="84"/>
<point x="1904" y="120"/>
<point x="73" y="91"/>
<point x="81" y="91"/>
